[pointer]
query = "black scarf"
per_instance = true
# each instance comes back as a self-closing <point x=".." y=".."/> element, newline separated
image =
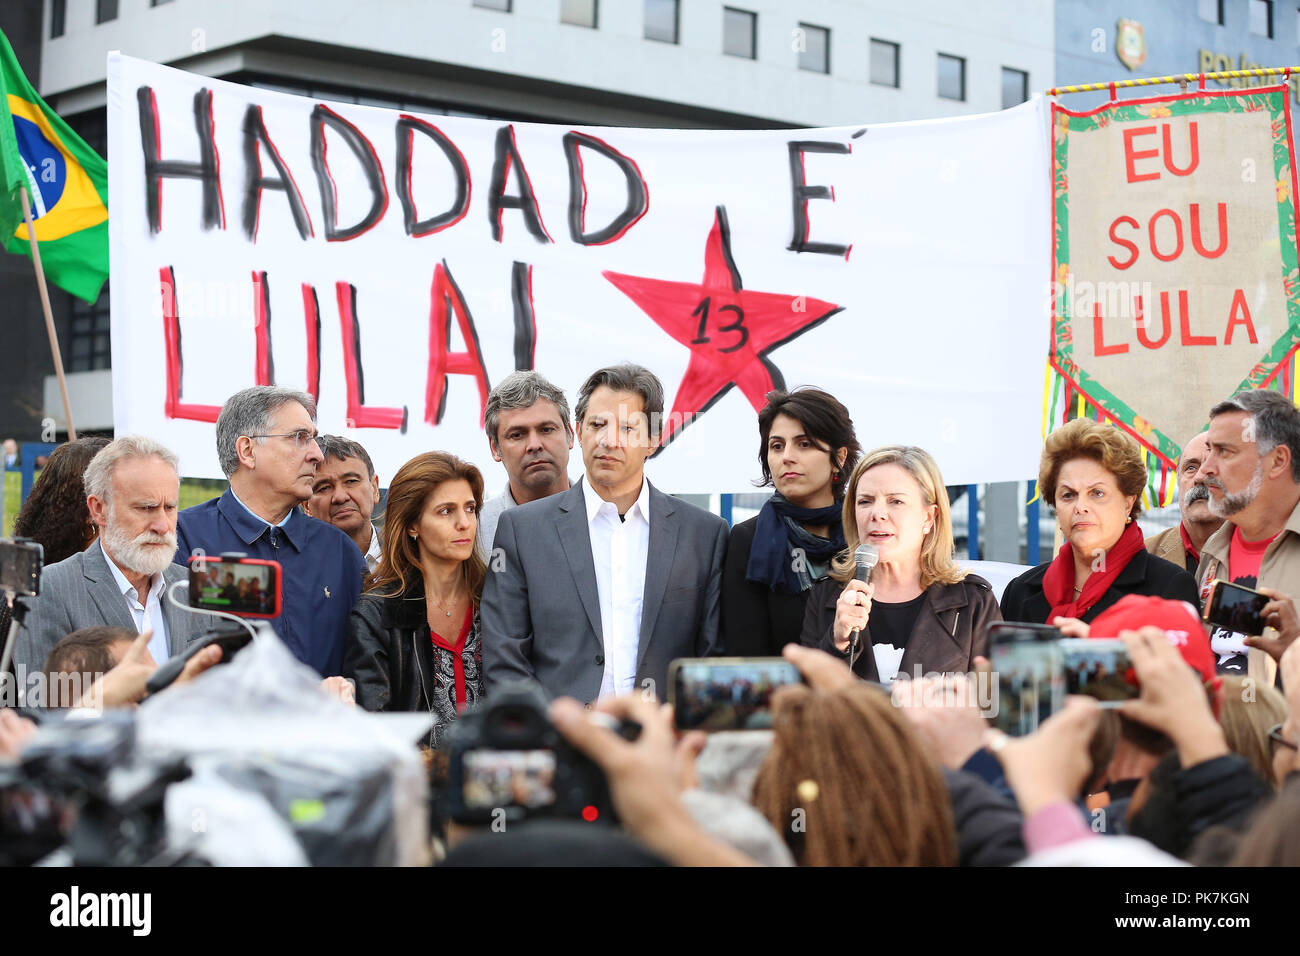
<point x="779" y="532"/>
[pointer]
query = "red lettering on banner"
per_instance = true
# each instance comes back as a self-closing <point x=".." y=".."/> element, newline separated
<point x="1239" y="314"/>
<point x="1198" y="243"/>
<point x="1145" y="339"/>
<point x="1131" y="246"/>
<point x="1184" y="320"/>
<point x="359" y="415"/>
<point x="1178" y="231"/>
<point x="446" y="301"/>
<point x="264" y="366"/>
<point x="1100" y="348"/>
<point x="1131" y="155"/>
<point x="1194" y="159"/>
<point x="173" y="407"/>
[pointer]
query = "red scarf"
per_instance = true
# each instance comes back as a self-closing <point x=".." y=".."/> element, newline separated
<point x="457" y="664"/>
<point x="1058" y="582"/>
<point x="1187" y="544"/>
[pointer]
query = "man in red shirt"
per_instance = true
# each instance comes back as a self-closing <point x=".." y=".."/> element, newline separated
<point x="1252" y="470"/>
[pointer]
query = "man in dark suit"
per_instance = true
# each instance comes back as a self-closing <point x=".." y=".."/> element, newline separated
<point x="594" y="591"/>
<point x="132" y="489"/>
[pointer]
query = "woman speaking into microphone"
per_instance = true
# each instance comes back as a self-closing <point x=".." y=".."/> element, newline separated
<point x="919" y="613"/>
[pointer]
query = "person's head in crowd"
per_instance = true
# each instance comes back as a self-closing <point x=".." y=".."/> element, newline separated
<point x="1274" y="835"/>
<point x="1153" y="811"/>
<point x="619" y="416"/>
<point x="526" y="419"/>
<point x="429" y="525"/>
<point x="879" y="802"/>
<point x="1252" y="468"/>
<point x="807" y="447"/>
<point x="55" y="512"/>
<point x="133" y="492"/>
<point x="76" y="660"/>
<point x="266" y="446"/>
<point x="346" y="489"/>
<point x="896" y="501"/>
<point x="10" y="452"/>
<point x="1194" y="496"/>
<point x="1250" y="710"/>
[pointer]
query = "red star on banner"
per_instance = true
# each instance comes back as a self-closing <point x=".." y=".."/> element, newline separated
<point x="729" y="330"/>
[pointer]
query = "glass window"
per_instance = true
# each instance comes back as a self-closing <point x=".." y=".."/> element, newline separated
<point x="884" y="62"/>
<point x="814" y="48"/>
<point x="1015" y="87"/>
<point x="105" y="10"/>
<point x="738" y="32"/>
<point x="581" y="13"/>
<point x="952" y="77"/>
<point x="502" y="5"/>
<point x="1210" y="10"/>
<point x="58" y="14"/>
<point x="88" y="334"/>
<point x="661" y="20"/>
<point x="1261" y="17"/>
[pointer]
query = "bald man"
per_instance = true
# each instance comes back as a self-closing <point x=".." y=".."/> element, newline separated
<point x="1182" y="544"/>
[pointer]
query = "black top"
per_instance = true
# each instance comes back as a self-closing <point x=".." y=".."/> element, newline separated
<point x="756" y="621"/>
<point x="1023" y="599"/>
<point x="891" y="624"/>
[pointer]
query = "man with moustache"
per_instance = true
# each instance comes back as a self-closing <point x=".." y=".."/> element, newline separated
<point x="1252" y="471"/>
<point x="527" y="423"/>
<point x="600" y="587"/>
<point x="132" y="490"/>
<point x="346" y="492"/>
<point x="1182" y="544"/>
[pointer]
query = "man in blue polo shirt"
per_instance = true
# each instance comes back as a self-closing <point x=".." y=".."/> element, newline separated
<point x="266" y="444"/>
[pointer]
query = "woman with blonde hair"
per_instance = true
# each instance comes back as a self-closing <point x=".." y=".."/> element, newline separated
<point x="1092" y="475"/>
<point x="415" y="631"/>
<point x="920" y="613"/>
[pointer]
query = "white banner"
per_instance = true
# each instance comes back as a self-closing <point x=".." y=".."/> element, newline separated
<point x="398" y="265"/>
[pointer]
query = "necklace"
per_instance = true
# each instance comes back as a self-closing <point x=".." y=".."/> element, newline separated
<point x="443" y="607"/>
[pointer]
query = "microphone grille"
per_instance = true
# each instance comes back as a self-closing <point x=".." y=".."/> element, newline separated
<point x="866" y="555"/>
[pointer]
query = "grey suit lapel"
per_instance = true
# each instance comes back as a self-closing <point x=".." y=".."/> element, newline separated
<point x="659" y="562"/>
<point x="178" y="620"/>
<point x="103" y="590"/>
<point x="575" y="538"/>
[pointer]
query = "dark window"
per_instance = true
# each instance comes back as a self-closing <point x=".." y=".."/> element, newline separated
<point x="661" y="20"/>
<point x="952" y="77"/>
<point x="502" y="5"/>
<point x="88" y="334"/>
<point x="581" y="13"/>
<point x="815" y="48"/>
<point x="1261" y="17"/>
<point x="58" y="15"/>
<point x="158" y="3"/>
<point x="105" y="10"/>
<point x="884" y="62"/>
<point x="738" y="32"/>
<point x="1015" y="87"/>
<point x="1210" y="10"/>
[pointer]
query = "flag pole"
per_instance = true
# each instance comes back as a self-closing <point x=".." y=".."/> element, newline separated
<point x="49" y="316"/>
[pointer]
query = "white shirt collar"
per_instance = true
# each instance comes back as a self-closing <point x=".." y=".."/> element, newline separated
<point x="278" y="524"/>
<point x="127" y="588"/>
<point x="373" y="553"/>
<point x="595" y="503"/>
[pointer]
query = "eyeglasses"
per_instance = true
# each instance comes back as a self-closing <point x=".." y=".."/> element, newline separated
<point x="1276" y="740"/>
<point x="302" y="437"/>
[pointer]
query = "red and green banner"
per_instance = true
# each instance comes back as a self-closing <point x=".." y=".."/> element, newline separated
<point x="1174" y="262"/>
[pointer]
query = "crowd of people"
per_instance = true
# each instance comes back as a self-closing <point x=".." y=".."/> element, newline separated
<point x="591" y="589"/>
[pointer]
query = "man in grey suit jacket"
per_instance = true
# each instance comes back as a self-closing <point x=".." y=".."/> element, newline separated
<point x="132" y="492"/>
<point x="594" y="591"/>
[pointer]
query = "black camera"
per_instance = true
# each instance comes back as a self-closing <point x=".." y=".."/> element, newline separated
<point x="21" y="561"/>
<point x="508" y="763"/>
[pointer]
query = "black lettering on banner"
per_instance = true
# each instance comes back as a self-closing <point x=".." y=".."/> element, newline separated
<point x="521" y="291"/>
<point x="507" y="157"/>
<point x="257" y="140"/>
<point x="321" y="117"/>
<point x="802" y="192"/>
<point x="738" y="326"/>
<point x="407" y="126"/>
<point x="637" y="193"/>
<point x="207" y="170"/>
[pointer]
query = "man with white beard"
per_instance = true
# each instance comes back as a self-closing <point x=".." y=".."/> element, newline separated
<point x="132" y="491"/>
<point x="1252" y="471"/>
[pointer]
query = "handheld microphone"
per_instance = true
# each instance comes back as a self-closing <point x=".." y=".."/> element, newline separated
<point x="865" y="556"/>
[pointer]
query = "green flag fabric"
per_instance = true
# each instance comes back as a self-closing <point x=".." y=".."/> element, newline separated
<point x="67" y="184"/>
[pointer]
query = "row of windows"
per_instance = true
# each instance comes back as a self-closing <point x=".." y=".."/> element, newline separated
<point x="1260" y="16"/>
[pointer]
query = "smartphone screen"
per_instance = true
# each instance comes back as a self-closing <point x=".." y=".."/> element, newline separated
<point x="727" y="693"/>
<point x="1031" y="683"/>
<point x="246" y="587"/>
<point x="1236" y="608"/>
<point x="1099" y="668"/>
<point x="505" y="778"/>
<point x="20" y="567"/>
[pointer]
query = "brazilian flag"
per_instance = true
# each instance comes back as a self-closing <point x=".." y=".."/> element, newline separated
<point x="66" y="180"/>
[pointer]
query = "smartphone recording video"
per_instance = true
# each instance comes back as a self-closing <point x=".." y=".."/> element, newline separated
<point x="246" y="587"/>
<point x="1099" y="668"/>
<point x="727" y="693"/>
<point x="1029" y="665"/>
<point x="1236" y="608"/>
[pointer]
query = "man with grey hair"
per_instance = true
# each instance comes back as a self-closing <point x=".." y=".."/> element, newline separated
<point x="266" y="443"/>
<point x="527" y="423"/>
<point x="600" y="587"/>
<point x="345" y="493"/>
<point x="132" y="491"/>
<point x="1252" y="471"/>
<point x="1182" y="544"/>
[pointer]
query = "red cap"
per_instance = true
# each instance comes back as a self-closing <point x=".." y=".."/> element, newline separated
<point x="1178" y="619"/>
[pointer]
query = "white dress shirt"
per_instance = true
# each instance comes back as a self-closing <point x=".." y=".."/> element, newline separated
<point x="619" y="550"/>
<point x="148" y="615"/>
<point x="372" y="553"/>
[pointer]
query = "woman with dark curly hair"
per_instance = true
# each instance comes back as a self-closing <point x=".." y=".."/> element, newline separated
<point x="55" y="513"/>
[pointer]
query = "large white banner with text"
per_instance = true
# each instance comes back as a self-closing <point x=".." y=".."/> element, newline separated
<point x="398" y="265"/>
